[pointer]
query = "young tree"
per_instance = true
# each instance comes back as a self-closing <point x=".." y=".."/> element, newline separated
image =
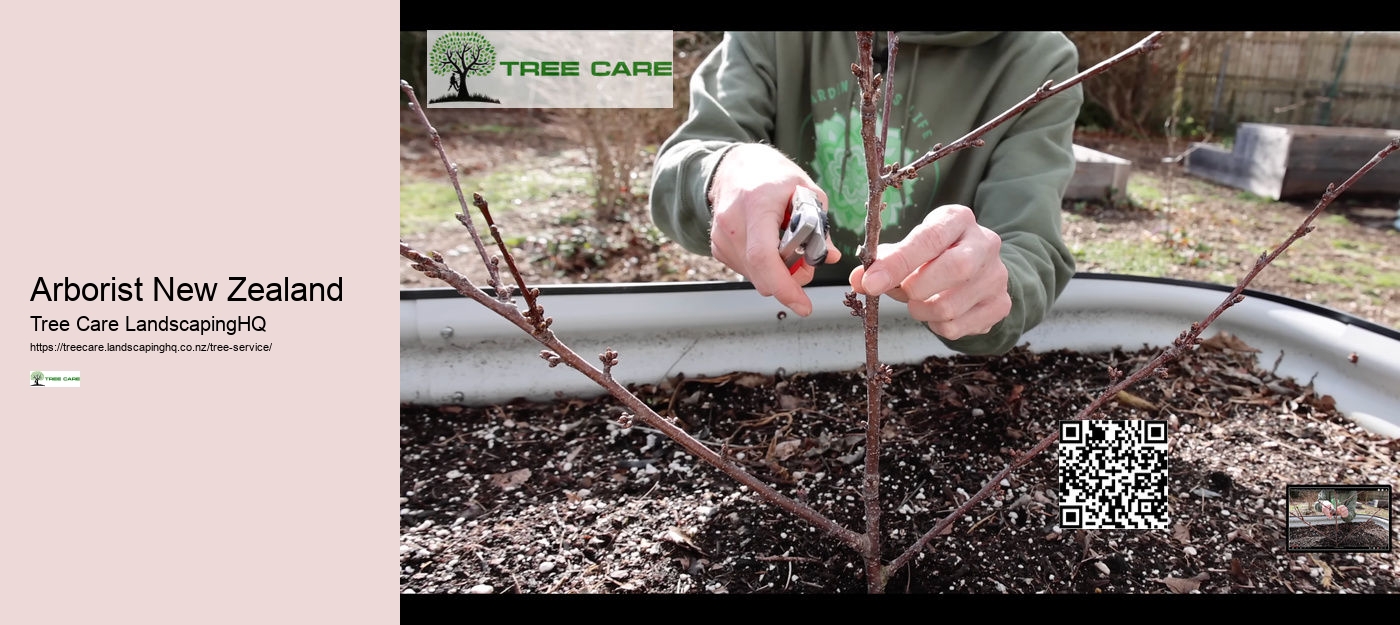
<point x="867" y="542"/>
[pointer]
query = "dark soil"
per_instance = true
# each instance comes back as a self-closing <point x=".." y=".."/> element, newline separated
<point x="1339" y="537"/>
<point x="558" y="498"/>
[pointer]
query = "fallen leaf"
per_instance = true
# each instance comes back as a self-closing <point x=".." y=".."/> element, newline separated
<point x="1015" y="395"/>
<point x="1133" y="401"/>
<point x="785" y="449"/>
<point x="751" y="380"/>
<point x="1014" y="402"/>
<point x="1326" y="571"/>
<point x="1182" y="533"/>
<point x="747" y="380"/>
<point x="1178" y="585"/>
<point x="511" y="480"/>
<point x="780" y="473"/>
<point x="820" y="445"/>
<point x="982" y="375"/>
<point x="693" y="566"/>
<point x="1237" y="572"/>
<point x="1242" y="376"/>
<point x="1224" y="341"/>
<point x="1325" y="402"/>
<point x="977" y="392"/>
<point x="678" y="536"/>
<point x="1243" y="533"/>
<point x="891" y="430"/>
<point x="790" y="402"/>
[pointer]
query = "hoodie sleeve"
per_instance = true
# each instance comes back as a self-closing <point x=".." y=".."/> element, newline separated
<point x="1020" y="198"/>
<point x="731" y="101"/>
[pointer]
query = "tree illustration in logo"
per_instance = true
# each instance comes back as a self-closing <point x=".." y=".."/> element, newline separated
<point x="458" y="55"/>
<point x="36" y="376"/>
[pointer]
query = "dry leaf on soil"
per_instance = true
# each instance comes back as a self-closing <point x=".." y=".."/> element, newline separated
<point x="1224" y="341"/>
<point x="1183" y="586"/>
<point x="786" y="448"/>
<point x="1326" y="571"/>
<point x="1182" y="533"/>
<point x="1237" y="572"/>
<point x="1133" y="401"/>
<point x="511" y="480"/>
<point x="680" y="537"/>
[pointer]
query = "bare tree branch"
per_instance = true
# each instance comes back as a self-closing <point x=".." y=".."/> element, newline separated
<point x="875" y="374"/>
<point x="495" y="280"/>
<point x="1047" y="90"/>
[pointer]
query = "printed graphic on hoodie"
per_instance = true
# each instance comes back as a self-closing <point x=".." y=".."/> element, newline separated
<point x="839" y="165"/>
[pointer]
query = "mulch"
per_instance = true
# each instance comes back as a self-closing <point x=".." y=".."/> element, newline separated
<point x="557" y="497"/>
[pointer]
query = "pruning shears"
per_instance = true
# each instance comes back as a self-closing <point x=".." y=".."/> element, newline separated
<point x="803" y="236"/>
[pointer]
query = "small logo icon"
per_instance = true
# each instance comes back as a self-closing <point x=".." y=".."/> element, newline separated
<point x="55" y="379"/>
<point x="461" y="55"/>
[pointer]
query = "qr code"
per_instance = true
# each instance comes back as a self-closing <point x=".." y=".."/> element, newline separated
<point x="1113" y="475"/>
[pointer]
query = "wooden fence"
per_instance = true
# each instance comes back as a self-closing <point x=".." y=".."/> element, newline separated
<point x="1315" y="77"/>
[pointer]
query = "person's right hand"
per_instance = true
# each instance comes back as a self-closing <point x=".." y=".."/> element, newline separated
<point x="750" y="192"/>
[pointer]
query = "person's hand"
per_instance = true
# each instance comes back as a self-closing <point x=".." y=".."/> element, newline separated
<point x="750" y="192"/>
<point x="948" y="270"/>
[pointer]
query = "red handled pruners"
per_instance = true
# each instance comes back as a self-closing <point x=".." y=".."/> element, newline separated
<point x="803" y="236"/>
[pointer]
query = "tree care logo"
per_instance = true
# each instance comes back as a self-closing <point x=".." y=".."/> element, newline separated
<point x="461" y="55"/>
<point x="550" y="69"/>
<point x="54" y="379"/>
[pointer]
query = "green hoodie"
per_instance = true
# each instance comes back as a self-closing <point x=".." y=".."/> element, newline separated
<point x="795" y="90"/>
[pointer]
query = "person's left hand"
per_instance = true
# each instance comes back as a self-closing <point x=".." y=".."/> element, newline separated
<point x="948" y="270"/>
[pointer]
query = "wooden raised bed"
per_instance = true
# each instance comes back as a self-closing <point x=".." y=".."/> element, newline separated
<point x="1098" y="175"/>
<point x="1282" y="161"/>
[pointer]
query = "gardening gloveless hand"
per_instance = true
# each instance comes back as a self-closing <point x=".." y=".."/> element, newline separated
<point x="794" y="90"/>
<point x="750" y="192"/>
<point x="948" y="270"/>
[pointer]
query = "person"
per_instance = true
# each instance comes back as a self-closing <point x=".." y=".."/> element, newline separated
<point x="972" y="246"/>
